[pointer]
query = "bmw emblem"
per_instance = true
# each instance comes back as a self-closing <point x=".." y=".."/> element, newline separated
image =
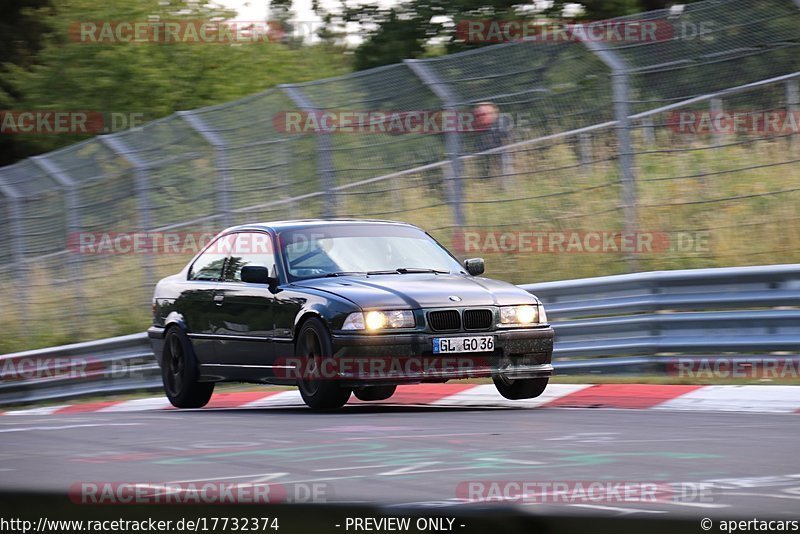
<point x="454" y="298"/>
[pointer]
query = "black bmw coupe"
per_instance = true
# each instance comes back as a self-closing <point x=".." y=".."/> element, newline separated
<point x="341" y="307"/>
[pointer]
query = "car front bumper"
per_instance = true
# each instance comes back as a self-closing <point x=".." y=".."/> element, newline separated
<point x="408" y="357"/>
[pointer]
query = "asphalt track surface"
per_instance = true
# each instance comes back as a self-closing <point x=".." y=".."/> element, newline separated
<point x="421" y="455"/>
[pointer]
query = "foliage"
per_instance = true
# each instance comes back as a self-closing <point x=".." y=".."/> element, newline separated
<point x="148" y="78"/>
<point x="411" y="28"/>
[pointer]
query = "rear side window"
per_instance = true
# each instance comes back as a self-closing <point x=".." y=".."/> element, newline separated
<point x="211" y="262"/>
<point x="251" y="248"/>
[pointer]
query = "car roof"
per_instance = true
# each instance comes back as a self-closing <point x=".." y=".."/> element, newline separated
<point x="298" y="224"/>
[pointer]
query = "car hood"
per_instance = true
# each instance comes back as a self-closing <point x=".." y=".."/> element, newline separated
<point x="410" y="291"/>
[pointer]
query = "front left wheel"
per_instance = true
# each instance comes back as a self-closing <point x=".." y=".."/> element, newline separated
<point x="314" y="348"/>
<point x="179" y="372"/>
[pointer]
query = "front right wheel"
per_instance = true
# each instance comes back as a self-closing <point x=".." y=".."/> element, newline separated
<point x="314" y="349"/>
<point x="516" y="389"/>
<point x="374" y="393"/>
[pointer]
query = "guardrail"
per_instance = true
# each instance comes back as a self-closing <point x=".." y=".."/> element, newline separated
<point x="107" y="366"/>
<point x="632" y="323"/>
<point x="735" y="311"/>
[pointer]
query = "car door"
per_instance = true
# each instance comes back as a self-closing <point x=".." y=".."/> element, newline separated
<point x="198" y="301"/>
<point x="247" y="323"/>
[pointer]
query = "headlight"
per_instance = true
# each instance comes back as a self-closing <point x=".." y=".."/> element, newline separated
<point x="378" y="320"/>
<point x="519" y="315"/>
<point x="354" y="321"/>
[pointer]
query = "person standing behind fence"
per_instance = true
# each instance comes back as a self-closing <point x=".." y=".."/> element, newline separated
<point x="489" y="133"/>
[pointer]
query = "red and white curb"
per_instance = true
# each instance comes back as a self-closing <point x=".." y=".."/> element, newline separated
<point x="759" y="399"/>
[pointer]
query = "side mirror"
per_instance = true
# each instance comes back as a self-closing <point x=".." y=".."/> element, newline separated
<point x="475" y="266"/>
<point x="257" y="274"/>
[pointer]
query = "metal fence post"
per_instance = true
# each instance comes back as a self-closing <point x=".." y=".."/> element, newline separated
<point x="73" y="226"/>
<point x="627" y="164"/>
<point x="452" y="138"/>
<point x="326" y="169"/>
<point x="19" y="271"/>
<point x="220" y="161"/>
<point x="716" y="109"/>
<point x="585" y="149"/>
<point x="793" y="106"/>
<point x="648" y="131"/>
<point x="142" y="184"/>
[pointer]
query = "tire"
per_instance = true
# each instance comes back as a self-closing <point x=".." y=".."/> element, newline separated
<point x="314" y="347"/>
<point x="179" y="372"/>
<point x="374" y="393"/>
<point x="528" y="388"/>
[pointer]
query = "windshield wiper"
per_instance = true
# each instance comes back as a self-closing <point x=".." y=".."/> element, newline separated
<point x="409" y="270"/>
<point x="344" y="273"/>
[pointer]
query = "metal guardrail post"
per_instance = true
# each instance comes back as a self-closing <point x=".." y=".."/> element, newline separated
<point x="73" y="226"/>
<point x="452" y="138"/>
<point x="326" y="168"/>
<point x="20" y="272"/>
<point x="142" y="175"/>
<point x="627" y="164"/>
<point x="220" y="161"/>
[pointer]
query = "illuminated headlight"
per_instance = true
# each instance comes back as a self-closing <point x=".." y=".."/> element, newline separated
<point x="378" y="320"/>
<point x="519" y="315"/>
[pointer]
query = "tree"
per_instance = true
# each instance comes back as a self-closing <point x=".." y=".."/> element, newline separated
<point x="22" y="30"/>
<point x="408" y="29"/>
<point x="154" y="79"/>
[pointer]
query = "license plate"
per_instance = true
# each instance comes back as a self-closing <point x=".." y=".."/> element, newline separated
<point x="446" y="345"/>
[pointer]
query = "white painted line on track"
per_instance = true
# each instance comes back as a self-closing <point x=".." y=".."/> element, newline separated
<point x="624" y="511"/>
<point x="408" y="436"/>
<point x="64" y="427"/>
<point x="774" y="496"/>
<point x="260" y="477"/>
<point x="380" y="466"/>
<point x="697" y="504"/>
<point x="510" y="461"/>
<point x="46" y="410"/>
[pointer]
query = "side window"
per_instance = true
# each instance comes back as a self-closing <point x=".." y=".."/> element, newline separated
<point x="210" y="263"/>
<point x="251" y="248"/>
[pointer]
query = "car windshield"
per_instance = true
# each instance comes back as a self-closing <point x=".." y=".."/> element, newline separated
<point x="342" y="250"/>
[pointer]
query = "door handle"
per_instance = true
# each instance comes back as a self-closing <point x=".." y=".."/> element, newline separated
<point x="218" y="299"/>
